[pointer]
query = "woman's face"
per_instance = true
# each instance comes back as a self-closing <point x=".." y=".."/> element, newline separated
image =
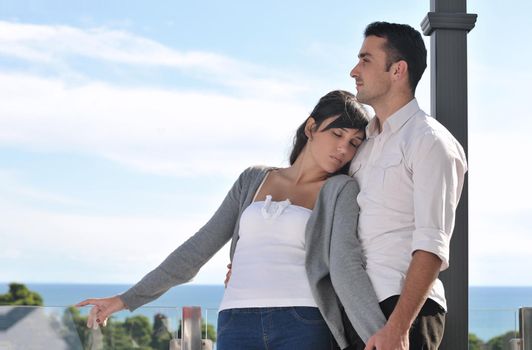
<point x="333" y="148"/>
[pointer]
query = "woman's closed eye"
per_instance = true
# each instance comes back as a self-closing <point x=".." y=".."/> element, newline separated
<point x="355" y="143"/>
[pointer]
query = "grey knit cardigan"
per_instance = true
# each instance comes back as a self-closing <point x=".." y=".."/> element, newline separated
<point x="334" y="260"/>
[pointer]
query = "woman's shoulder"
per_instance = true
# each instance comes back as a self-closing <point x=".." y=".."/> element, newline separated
<point x="260" y="168"/>
<point x="341" y="180"/>
<point x="338" y="183"/>
<point x="255" y="171"/>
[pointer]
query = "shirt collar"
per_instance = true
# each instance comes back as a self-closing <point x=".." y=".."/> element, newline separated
<point x="395" y="121"/>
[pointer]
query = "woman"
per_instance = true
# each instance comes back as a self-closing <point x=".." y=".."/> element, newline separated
<point x="294" y="252"/>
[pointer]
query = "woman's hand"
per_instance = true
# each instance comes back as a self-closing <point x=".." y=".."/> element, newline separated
<point x="228" y="275"/>
<point x="102" y="309"/>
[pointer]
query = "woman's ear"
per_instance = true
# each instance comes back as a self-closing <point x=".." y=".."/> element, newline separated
<point x="310" y="126"/>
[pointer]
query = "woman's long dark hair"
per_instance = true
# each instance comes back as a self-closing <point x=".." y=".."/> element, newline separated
<point x="351" y="115"/>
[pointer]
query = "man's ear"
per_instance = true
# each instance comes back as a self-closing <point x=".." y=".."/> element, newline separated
<point x="400" y="70"/>
<point x="310" y="127"/>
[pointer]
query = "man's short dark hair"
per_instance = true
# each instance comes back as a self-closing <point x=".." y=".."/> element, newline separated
<point x="402" y="43"/>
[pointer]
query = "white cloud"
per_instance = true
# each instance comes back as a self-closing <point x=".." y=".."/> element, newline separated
<point x="149" y="129"/>
<point x="499" y="191"/>
<point x="497" y="101"/>
<point x="154" y="130"/>
<point x="498" y="254"/>
<point x="499" y="185"/>
<point x="10" y="187"/>
<point x="58" y="44"/>
<point x="500" y="172"/>
<point x="87" y="248"/>
<point x="48" y="42"/>
<point x="40" y="244"/>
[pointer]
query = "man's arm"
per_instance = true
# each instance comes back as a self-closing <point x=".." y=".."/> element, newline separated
<point x="422" y="272"/>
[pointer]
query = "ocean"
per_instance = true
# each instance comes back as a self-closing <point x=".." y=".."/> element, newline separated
<point x="492" y="310"/>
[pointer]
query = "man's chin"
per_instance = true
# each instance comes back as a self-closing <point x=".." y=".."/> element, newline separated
<point x="361" y="98"/>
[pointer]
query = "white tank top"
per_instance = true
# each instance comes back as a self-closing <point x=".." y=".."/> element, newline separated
<point x="269" y="261"/>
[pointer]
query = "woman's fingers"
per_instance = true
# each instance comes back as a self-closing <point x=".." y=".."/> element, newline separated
<point x="102" y="315"/>
<point x="97" y="317"/>
<point x="91" y="319"/>
<point x="101" y="310"/>
<point x="85" y="302"/>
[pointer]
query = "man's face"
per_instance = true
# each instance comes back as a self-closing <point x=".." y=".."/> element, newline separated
<point x="373" y="82"/>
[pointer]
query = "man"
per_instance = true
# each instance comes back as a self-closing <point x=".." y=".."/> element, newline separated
<point x="411" y="173"/>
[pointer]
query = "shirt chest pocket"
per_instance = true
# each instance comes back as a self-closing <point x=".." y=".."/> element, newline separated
<point x="387" y="170"/>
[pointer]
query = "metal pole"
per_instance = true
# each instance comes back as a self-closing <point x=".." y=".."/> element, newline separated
<point x="448" y="25"/>
<point x="525" y="327"/>
<point x="191" y="331"/>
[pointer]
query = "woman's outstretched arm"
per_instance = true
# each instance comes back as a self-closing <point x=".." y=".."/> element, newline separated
<point x="183" y="263"/>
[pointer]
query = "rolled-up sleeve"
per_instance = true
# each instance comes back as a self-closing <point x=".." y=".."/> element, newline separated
<point x="438" y="168"/>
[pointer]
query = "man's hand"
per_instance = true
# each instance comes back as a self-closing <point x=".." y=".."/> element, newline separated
<point x="421" y="274"/>
<point x="388" y="338"/>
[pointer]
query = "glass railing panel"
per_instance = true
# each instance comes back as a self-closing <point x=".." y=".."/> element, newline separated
<point x="492" y="329"/>
<point x="24" y="327"/>
<point x="210" y="323"/>
<point x="152" y="328"/>
<point x="147" y="328"/>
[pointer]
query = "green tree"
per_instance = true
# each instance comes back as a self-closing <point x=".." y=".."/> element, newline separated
<point x="139" y="329"/>
<point x="501" y="342"/>
<point x="211" y="332"/>
<point x="475" y="343"/>
<point x="117" y="335"/>
<point x="161" y="336"/>
<point x="71" y="316"/>
<point x="19" y="294"/>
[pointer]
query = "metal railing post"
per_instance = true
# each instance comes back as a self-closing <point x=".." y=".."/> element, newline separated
<point x="191" y="331"/>
<point x="525" y="327"/>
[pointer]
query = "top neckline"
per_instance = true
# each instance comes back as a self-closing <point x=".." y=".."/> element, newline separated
<point x="268" y="195"/>
<point x="286" y="200"/>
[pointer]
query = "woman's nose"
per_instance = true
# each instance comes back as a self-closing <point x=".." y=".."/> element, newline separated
<point x="342" y="148"/>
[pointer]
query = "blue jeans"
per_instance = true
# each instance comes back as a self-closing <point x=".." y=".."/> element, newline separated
<point x="273" y="328"/>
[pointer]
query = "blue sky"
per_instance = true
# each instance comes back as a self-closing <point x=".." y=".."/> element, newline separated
<point x="123" y="126"/>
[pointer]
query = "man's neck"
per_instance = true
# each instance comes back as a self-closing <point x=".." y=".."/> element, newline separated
<point x="388" y="106"/>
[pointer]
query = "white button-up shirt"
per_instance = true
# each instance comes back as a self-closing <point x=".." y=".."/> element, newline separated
<point x="411" y="176"/>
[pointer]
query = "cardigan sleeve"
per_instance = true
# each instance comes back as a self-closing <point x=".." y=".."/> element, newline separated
<point x="185" y="261"/>
<point x="349" y="279"/>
